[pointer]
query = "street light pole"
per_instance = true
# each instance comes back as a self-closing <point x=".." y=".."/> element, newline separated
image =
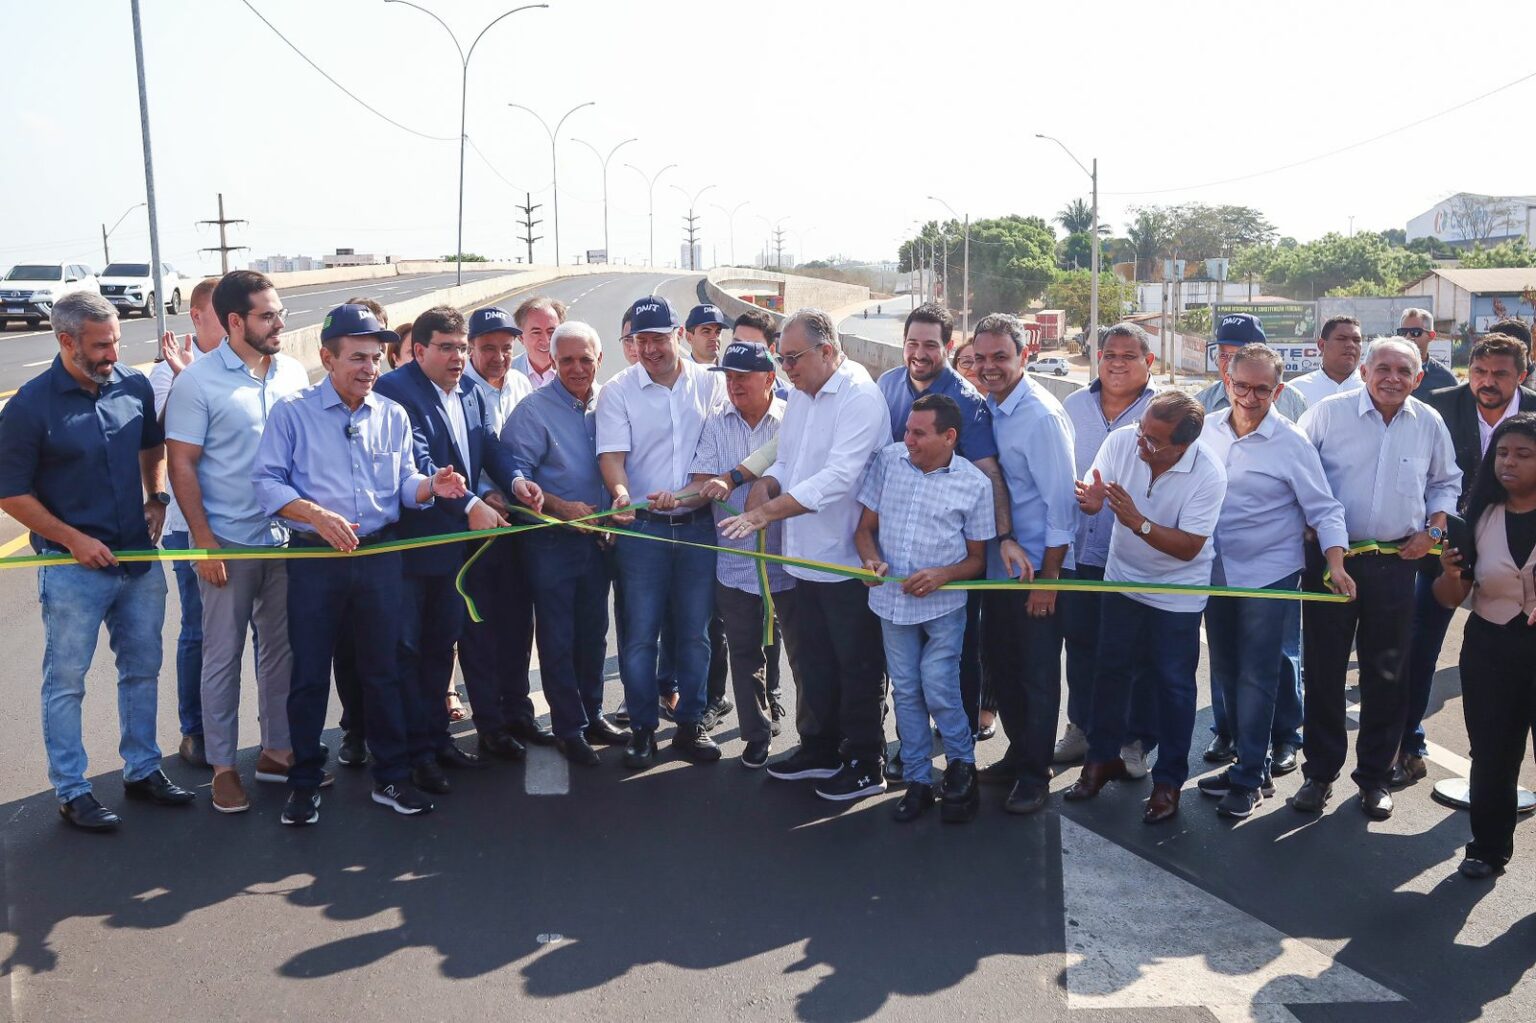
<point x="693" y="201"/>
<point x="149" y="174"/>
<point x="607" y="258"/>
<point x="106" y="254"/>
<point x="1093" y="289"/>
<point x="731" y="217"/>
<point x="554" y="170"/>
<point x="965" y="279"/>
<point x="650" y="184"/>
<point x="458" y="256"/>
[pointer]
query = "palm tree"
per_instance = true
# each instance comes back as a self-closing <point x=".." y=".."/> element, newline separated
<point x="1076" y="217"/>
<point x="1150" y="237"/>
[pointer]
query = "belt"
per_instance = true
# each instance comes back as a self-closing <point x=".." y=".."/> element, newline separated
<point x="301" y="539"/>
<point x="680" y="519"/>
<point x="1374" y="551"/>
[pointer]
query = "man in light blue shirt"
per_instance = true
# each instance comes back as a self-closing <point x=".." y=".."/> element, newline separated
<point x="214" y="419"/>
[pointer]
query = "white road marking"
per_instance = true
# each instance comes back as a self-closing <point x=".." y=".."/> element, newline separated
<point x="40" y="362"/>
<point x="1140" y="937"/>
<point x="6" y="335"/>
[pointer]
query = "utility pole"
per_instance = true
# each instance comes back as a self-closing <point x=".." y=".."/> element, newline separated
<point x="528" y="237"/>
<point x="223" y="248"/>
<point x="692" y="231"/>
<point x="778" y="247"/>
<point x="149" y="174"/>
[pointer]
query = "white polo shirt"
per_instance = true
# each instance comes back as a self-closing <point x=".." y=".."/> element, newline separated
<point x="1187" y="496"/>
<point x="1317" y="385"/>
<point x="657" y="427"/>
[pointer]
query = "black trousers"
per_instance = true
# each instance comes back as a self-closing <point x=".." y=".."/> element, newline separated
<point x="432" y="618"/>
<point x="837" y="654"/>
<point x="719" y="656"/>
<point x="349" y="686"/>
<point x="1021" y="660"/>
<point x="1498" y="698"/>
<point x="495" y="654"/>
<point x="742" y="615"/>
<point x="1377" y="624"/>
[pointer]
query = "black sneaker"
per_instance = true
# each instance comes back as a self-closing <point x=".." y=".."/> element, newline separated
<point x="1479" y="870"/>
<point x="857" y="779"/>
<point x="776" y="712"/>
<point x="804" y="763"/>
<point x="303" y="807"/>
<point x="693" y="744"/>
<point x="1239" y="803"/>
<point x="715" y="713"/>
<point x="1219" y="784"/>
<point x="641" y="751"/>
<point x="756" y="754"/>
<point x="353" y="752"/>
<point x="402" y="799"/>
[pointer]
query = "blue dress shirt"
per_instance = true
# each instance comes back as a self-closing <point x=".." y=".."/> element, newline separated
<point x="976" y="437"/>
<point x="1035" y="451"/>
<point x="553" y="438"/>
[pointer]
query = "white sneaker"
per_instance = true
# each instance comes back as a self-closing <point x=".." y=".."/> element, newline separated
<point x="1072" y="747"/>
<point x="1135" y="760"/>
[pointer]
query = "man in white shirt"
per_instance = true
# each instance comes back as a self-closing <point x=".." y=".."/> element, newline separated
<point x="1339" y="344"/>
<point x="835" y="420"/>
<point x="649" y="419"/>
<point x="1275" y="490"/>
<point x="1165" y="489"/>
<point x="537" y="319"/>
<point x="1391" y="464"/>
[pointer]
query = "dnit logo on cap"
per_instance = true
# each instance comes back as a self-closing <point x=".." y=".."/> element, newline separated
<point x="647" y="307"/>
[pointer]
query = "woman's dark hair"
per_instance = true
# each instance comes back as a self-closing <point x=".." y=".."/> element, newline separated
<point x="1486" y="489"/>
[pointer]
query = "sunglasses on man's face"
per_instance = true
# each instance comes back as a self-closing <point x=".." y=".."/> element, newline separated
<point x="1413" y="332"/>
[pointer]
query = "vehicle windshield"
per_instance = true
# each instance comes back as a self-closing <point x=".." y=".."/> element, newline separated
<point x="126" y="270"/>
<point x="30" y="272"/>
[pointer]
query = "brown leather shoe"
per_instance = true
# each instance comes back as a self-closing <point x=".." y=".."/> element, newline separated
<point x="1163" y="804"/>
<point x="1095" y="775"/>
<point x="229" y="793"/>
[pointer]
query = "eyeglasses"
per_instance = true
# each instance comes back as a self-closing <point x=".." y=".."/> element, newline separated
<point x="1152" y="446"/>
<point x="448" y="349"/>
<point x="791" y="361"/>
<point x="1263" y="392"/>
<point x="268" y="317"/>
<point x="1413" y="332"/>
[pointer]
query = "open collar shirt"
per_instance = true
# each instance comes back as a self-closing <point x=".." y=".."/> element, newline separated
<point x="725" y="442"/>
<point x="500" y="400"/>
<point x="655" y="426"/>
<point x="1085" y="411"/>
<point x="1035" y="450"/>
<point x="553" y="439"/>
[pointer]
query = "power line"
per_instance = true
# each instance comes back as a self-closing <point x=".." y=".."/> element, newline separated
<point x="371" y="109"/>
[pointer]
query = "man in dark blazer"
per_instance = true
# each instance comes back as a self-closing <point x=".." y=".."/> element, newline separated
<point x="1494" y="391"/>
<point x="451" y="426"/>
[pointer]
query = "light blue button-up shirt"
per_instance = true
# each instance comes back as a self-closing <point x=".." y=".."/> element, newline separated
<point x="1090" y="429"/>
<point x="553" y="439"/>
<point x="357" y="464"/>
<point x="1034" y="449"/>
<point x="218" y="405"/>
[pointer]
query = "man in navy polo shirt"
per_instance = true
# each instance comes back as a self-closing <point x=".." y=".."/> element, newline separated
<point x="702" y="333"/>
<point x="80" y="447"/>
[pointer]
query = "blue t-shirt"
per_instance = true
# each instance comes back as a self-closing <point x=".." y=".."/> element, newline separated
<point x="976" y="439"/>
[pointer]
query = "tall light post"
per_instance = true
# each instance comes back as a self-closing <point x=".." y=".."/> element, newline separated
<point x="730" y="216"/>
<point x="1093" y="291"/>
<point x="650" y="186"/>
<point x="554" y="170"/>
<point x="965" y="277"/>
<point x="106" y="232"/>
<point x="149" y="171"/>
<point x="604" y="160"/>
<point x="458" y="256"/>
<point x="693" y="200"/>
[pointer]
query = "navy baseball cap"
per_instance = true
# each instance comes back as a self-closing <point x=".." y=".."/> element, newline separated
<point x="492" y="318"/>
<point x="1239" y="329"/>
<point x="355" y="321"/>
<point x="652" y="315"/>
<point x="702" y="314"/>
<point x="745" y="357"/>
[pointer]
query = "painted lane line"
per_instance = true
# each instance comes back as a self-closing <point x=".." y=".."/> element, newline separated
<point x="34" y="365"/>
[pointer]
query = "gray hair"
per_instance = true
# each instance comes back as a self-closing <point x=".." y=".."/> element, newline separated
<point x="1259" y="353"/>
<point x="1381" y="344"/>
<point x="1415" y="313"/>
<point x="1130" y="330"/>
<point x="576" y="329"/>
<point x="71" y="312"/>
<point x="1001" y="323"/>
<point x="817" y="324"/>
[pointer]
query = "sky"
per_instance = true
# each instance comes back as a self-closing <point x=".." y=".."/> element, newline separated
<point x="835" y="118"/>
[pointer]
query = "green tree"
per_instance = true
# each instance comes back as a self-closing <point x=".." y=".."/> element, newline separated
<point x="1013" y="259"/>
<point x="1076" y="217"/>
<point x="467" y="257"/>
<point x="1514" y="252"/>
<point x="1150" y="235"/>
<point x="1304" y="271"/>
<point x="1199" y="231"/>
<point x="1072" y="292"/>
<point x="1075" y="251"/>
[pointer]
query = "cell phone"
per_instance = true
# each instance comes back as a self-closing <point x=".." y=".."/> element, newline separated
<point x="1459" y="535"/>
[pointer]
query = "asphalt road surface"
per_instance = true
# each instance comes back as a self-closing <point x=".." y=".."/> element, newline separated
<point x="709" y="893"/>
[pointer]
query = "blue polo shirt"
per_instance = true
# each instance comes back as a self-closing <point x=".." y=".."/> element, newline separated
<point x="78" y="454"/>
<point x="976" y="439"/>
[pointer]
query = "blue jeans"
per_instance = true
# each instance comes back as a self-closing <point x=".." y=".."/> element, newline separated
<point x="1288" y="694"/>
<point x="1079" y="612"/>
<point x="1144" y="647"/>
<point x="923" y="661"/>
<point x="571" y="618"/>
<point x="666" y="582"/>
<point x="76" y="601"/>
<point x="1430" y="622"/>
<point x="1246" y="639"/>
<point x="189" y="642"/>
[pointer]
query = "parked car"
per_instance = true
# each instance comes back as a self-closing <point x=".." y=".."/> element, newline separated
<point x="1053" y="364"/>
<point x="28" y="290"/>
<point x="131" y="287"/>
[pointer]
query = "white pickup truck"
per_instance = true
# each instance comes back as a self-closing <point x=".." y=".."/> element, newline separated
<point x="29" y="290"/>
<point x="131" y="288"/>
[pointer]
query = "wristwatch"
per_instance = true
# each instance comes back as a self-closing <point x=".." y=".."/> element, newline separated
<point x="1435" y="533"/>
<point x="1145" y="529"/>
<point x="161" y="496"/>
<point x="1007" y="536"/>
<point x="736" y="477"/>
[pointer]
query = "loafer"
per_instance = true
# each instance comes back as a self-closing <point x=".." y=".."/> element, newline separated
<point x="1095" y="775"/>
<point x="756" y="754"/>
<point x="1283" y="760"/>
<point x="603" y="732"/>
<point x="641" y="751"/>
<point x="894" y="768"/>
<point x="1000" y="773"/>
<point x="229" y="793"/>
<point x="986" y="732"/>
<point x="1407" y="770"/>
<point x="621" y="716"/>
<point x="1479" y="870"/>
<point x="429" y="777"/>
<point x="1312" y="796"/>
<point x="1162" y="804"/>
<point x="453" y="755"/>
<point x="85" y="813"/>
<point x="302" y="808"/>
<point x="353" y="751"/>
<point x="962" y="794"/>
<point x="530" y="731"/>
<point x="914" y="802"/>
<point x="1026" y="797"/>
<point x="193" y="751"/>
<point x="1376" y="803"/>
<point x="577" y="751"/>
<point x="694" y="745"/>
<point x="501" y="746"/>
<point x="158" y="789"/>
<point x="1222" y="750"/>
